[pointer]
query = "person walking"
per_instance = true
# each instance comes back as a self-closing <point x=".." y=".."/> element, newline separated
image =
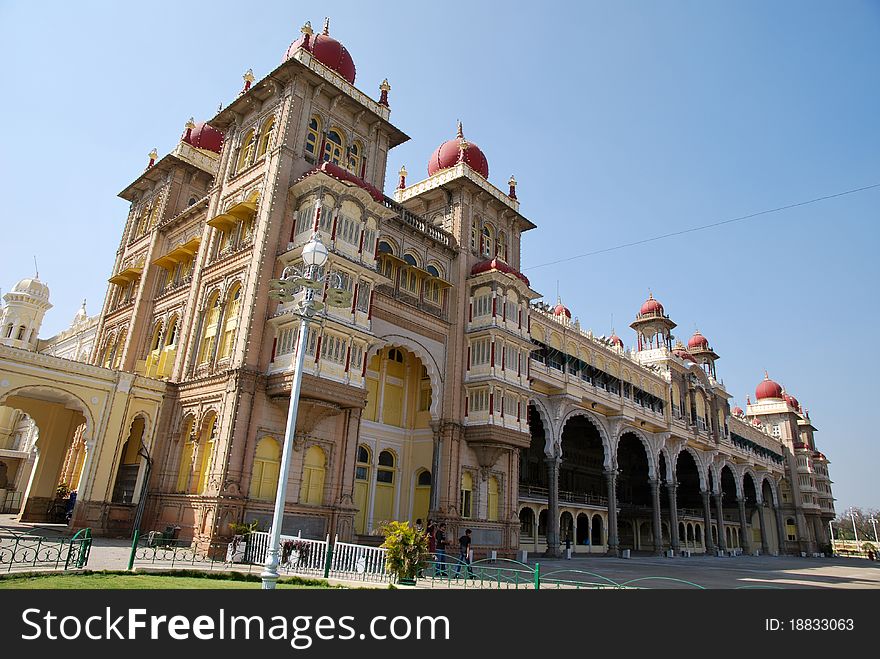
<point x="464" y="554"/>
<point x="440" y="544"/>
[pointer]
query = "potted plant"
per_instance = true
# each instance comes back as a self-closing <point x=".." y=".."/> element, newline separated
<point x="236" y="551"/>
<point x="407" y="550"/>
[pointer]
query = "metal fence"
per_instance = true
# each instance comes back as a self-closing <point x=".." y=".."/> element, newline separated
<point x="358" y="562"/>
<point x="29" y="552"/>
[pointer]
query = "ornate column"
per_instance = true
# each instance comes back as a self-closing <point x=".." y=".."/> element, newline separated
<point x="674" y="540"/>
<point x="707" y="523"/>
<point x="765" y="546"/>
<point x="719" y="511"/>
<point x="658" y="527"/>
<point x="744" y="538"/>
<point x="435" y="467"/>
<point x="780" y="529"/>
<point x="611" y="477"/>
<point x="553" y="506"/>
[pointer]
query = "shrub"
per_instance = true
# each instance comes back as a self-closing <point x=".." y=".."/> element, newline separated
<point x="407" y="550"/>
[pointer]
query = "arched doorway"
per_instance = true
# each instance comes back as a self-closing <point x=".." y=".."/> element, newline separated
<point x="754" y="531"/>
<point x="57" y="417"/>
<point x="768" y="511"/>
<point x="396" y="432"/>
<point x="125" y="485"/>
<point x="729" y="507"/>
<point x="689" y="499"/>
<point x="633" y="491"/>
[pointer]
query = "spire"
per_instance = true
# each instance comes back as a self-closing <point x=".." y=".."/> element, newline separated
<point x="248" y="78"/>
<point x="36" y="268"/>
<point x="326" y="31"/>
<point x="307" y="33"/>
<point x="512" y="183"/>
<point x="384" y="88"/>
<point x="460" y="134"/>
<point x="402" y="183"/>
<point x="152" y="156"/>
<point x="766" y="375"/>
<point x="190" y="124"/>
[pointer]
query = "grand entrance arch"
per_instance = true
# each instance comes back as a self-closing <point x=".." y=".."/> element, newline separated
<point x="393" y="476"/>
<point x="635" y="523"/>
<point x="83" y="416"/>
<point x="58" y="416"/>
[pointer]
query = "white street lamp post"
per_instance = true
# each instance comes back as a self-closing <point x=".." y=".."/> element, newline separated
<point x="873" y="521"/>
<point x="853" y="518"/>
<point x="293" y="287"/>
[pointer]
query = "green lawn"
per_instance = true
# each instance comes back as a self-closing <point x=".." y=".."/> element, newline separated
<point x="128" y="581"/>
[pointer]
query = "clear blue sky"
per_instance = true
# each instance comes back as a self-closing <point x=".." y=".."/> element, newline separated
<point x="620" y="120"/>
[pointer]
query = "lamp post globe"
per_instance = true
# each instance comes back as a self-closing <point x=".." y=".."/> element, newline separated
<point x="314" y="253"/>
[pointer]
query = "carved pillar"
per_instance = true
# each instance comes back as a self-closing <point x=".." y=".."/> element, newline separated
<point x="435" y="467"/>
<point x="611" y="477"/>
<point x="674" y="540"/>
<point x="780" y="529"/>
<point x="719" y="511"/>
<point x="553" y="506"/>
<point x="765" y="546"/>
<point x="707" y="523"/>
<point x="744" y="540"/>
<point x="658" y="527"/>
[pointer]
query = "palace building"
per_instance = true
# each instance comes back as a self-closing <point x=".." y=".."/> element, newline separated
<point x="447" y="389"/>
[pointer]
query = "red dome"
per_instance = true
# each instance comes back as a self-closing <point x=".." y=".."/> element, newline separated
<point x="204" y="136"/>
<point x="651" y="306"/>
<point x="616" y="340"/>
<point x="447" y="154"/>
<point x="328" y="52"/>
<point x="561" y="310"/>
<point x="768" y="389"/>
<point x="791" y="400"/>
<point x="737" y="410"/>
<point x="698" y="341"/>
<point x="498" y="264"/>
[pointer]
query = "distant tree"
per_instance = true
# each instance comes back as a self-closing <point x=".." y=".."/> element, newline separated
<point x="843" y="524"/>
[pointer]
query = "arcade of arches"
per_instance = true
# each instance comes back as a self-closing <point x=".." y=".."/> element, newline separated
<point x="571" y="486"/>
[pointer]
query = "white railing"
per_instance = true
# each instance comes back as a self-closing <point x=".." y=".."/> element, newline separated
<point x="304" y="556"/>
<point x="360" y="562"/>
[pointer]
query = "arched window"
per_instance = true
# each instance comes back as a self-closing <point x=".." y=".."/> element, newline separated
<point x="487" y="243"/>
<point x="424" y="391"/>
<point x="474" y="238"/>
<point x="246" y="151"/>
<point x="385" y="495"/>
<point x="171" y="333"/>
<point x="361" y="487"/>
<point x="355" y="152"/>
<point x="502" y="246"/>
<point x="394" y="355"/>
<point x="187" y="447"/>
<point x="233" y="305"/>
<point x="410" y="279"/>
<point x="334" y="147"/>
<point x="156" y="341"/>
<point x="432" y="286"/>
<point x="492" y="498"/>
<point x="526" y="522"/>
<point x="314" y="465"/>
<point x="207" y="446"/>
<point x="8" y="332"/>
<point x="266" y="136"/>
<point x="21" y="330"/>
<point x="209" y="333"/>
<point x="467" y="489"/>
<point x="118" y="348"/>
<point x="313" y="136"/>
<point x="264" y="474"/>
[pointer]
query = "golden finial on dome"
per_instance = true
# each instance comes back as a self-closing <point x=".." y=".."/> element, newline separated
<point x="385" y="87"/>
<point x="460" y="134"/>
<point x="152" y="156"/>
<point x="248" y="76"/>
<point x="326" y="31"/>
<point x="307" y="28"/>
<point x="403" y="171"/>
<point x="190" y="123"/>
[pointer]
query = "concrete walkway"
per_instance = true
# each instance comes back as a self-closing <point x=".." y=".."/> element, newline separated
<point x="707" y="571"/>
